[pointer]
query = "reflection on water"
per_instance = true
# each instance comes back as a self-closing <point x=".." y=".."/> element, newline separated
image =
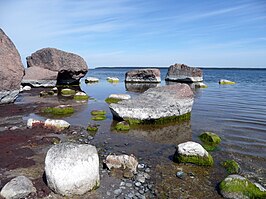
<point x="164" y="134"/>
<point x="140" y="87"/>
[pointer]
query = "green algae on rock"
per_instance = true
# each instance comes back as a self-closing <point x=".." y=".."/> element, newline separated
<point x="236" y="186"/>
<point x="210" y="140"/>
<point x="231" y="166"/>
<point x="92" y="127"/>
<point x="68" y="92"/>
<point x="192" y="152"/>
<point x="122" y="126"/>
<point x="112" y="79"/>
<point x="80" y="96"/>
<point x="98" y="112"/>
<point x="225" y="82"/>
<point x="46" y="93"/>
<point x="110" y="100"/>
<point x="59" y="110"/>
<point x="98" y="117"/>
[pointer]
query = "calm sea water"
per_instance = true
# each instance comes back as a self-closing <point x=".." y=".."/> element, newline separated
<point x="237" y="112"/>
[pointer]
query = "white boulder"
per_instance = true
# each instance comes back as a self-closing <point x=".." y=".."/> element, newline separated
<point x="56" y="124"/>
<point x="19" y="187"/>
<point x="120" y="96"/>
<point x="72" y="169"/>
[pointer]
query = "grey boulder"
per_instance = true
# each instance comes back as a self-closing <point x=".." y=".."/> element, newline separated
<point x="155" y="103"/>
<point x="11" y="70"/>
<point x="19" y="187"/>
<point x="184" y="73"/>
<point x="143" y="75"/>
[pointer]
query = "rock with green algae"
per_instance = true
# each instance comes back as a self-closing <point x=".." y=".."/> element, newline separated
<point x="122" y="126"/>
<point x="81" y="96"/>
<point x="68" y="92"/>
<point x="59" y="110"/>
<point x="112" y="79"/>
<point x="98" y="112"/>
<point x="236" y="186"/>
<point x="231" y="166"/>
<point x="210" y="140"/>
<point x="192" y="152"/>
<point x="92" y="127"/>
<point x="46" y="93"/>
<point x="110" y="100"/>
<point x="98" y="117"/>
<point x="225" y="81"/>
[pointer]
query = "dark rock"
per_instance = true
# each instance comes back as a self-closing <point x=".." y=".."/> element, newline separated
<point x="184" y="73"/>
<point x="140" y="87"/>
<point x="11" y="69"/>
<point x="69" y="67"/>
<point x="144" y="75"/>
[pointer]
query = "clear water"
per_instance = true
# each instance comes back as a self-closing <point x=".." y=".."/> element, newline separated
<point x="237" y="112"/>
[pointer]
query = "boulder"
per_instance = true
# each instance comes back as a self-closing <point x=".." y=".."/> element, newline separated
<point x="200" y="85"/>
<point x="129" y="162"/>
<point x="112" y="79"/>
<point x="57" y="125"/>
<point x="11" y="70"/>
<point x="91" y="80"/>
<point x="81" y="96"/>
<point x="192" y="152"/>
<point x="236" y="186"/>
<point x="143" y="75"/>
<point x="210" y="140"/>
<point x="39" y="77"/>
<point x="72" y="169"/>
<point x="184" y="73"/>
<point x="140" y="87"/>
<point x="19" y="187"/>
<point x="156" y="105"/>
<point x="231" y="166"/>
<point x="225" y="81"/>
<point x="120" y="96"/>
<point x="69" y="67"/>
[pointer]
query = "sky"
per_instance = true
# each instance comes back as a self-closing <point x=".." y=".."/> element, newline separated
<point x="201" y="33"/>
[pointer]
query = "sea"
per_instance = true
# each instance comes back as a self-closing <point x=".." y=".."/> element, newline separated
<point x="237" y="113"/>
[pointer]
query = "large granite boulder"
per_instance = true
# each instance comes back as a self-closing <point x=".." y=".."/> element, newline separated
<point x="156" y="105"/>
<point x="39" y="77"/>
<point x="11" y="70"/>
<point x="72" y="169"/>
<point x="143" y="75"/>
<point x="184" y="73"/>
<point x="69" y="67"/>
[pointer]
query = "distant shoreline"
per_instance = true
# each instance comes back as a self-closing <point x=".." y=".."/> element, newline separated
<point x="205" y="68"/>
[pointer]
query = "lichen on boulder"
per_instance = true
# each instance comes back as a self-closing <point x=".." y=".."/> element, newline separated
<point x="192" y="152"/>
<point x="236" y="186"/>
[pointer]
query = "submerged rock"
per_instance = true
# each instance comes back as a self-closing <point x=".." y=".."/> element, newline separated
<point x="166" y="103"/>
<point x="72" y="169"/>
<point x="112" y="79"/>
<point x="91" y="80"/>
<point x="184" y="73"/>
<point x="120" y="96"/>
<point x="143" y="75"/>
<point x="210" y="140"/>
<point x="11" y="70"/>
<point x="236" y="186"/>
<point x="80" y="96"/>
<point x="68" y="66"/>
<point x="231" y="166"/>
<point x="122" y="161"/>
<point x="122" y="126"/>
<point x="59" y="110"/>
<point x="192" y="152"/>
<point x="225" y="81"/>
<point x="19" y="187"/>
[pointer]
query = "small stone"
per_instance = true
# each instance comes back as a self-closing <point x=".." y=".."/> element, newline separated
<point x="180" y="174"/>
<point x="141" y="179"/>
<point x="150" y="186"/>
<point x="108" y="193"/>
<point x="128" y="184"/>
<point x="147" y="170"/>
<point x="130" y="195"/>
<point x="122" y="183"/>
<point x="117" y="191"/>
<point x="137" y="184"/>
<point x="141" y="191"/>
<point x="147" y="176"/>
<point x="141" y="166"/>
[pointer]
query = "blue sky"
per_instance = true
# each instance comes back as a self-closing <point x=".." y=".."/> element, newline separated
<point x="228" y="33"/>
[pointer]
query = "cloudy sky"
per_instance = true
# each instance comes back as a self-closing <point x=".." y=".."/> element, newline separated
<point x="142" y="33"/>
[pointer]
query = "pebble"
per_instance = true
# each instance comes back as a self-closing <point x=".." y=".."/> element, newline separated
<point x="147" y="176"/>
<point x="130" y="195"/>
<point x="117" y="191"/>
<point x="122" y="183"/>
<point x="141" y="179"/>
<point x="128" y="184"/>
<point x="141" y="166"/>
<point x="137" y="184"/>
<point x="180" y="174"/>
<point x="147" y="170"/>
<point x="108" y="193"/>
<point x="141" y="191"/>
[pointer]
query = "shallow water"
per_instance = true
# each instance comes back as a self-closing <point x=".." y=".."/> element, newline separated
<point x="237" y="113"/>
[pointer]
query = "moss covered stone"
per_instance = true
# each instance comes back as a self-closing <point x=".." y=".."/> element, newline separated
<point x="67" y="91"/>
<point x="236" y="186"/>
<point x="231" y="166"/>
<point x="80" y="96"/>
<point x="59" y="110"/>
<point x="122" y="126"/>
<point x="46" y="93"/>
<point x="224" y="82"/>
<point x="110" y="100"/>
<point x="210" y="140"/>
<point x="198" y="160"/>
<point x="112" y="79"/>
<point x="98" y="112"/>
<point x="92" y="127"/>
<point x="98" y="117"/>
<point x="165" y="120"/>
